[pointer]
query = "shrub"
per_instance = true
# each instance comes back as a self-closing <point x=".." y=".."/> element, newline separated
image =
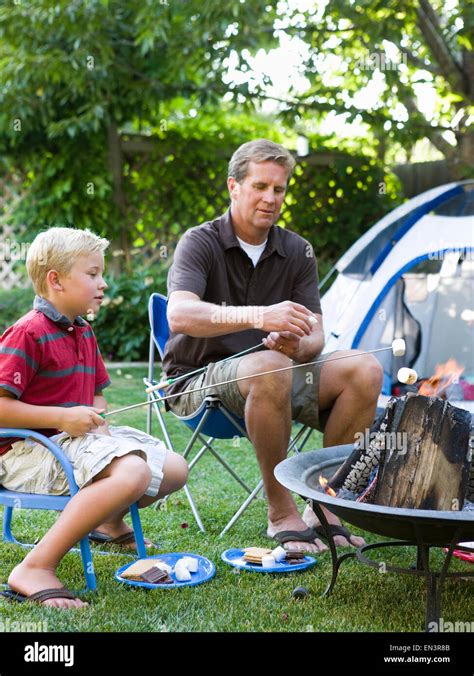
<point x="13" y="305"/>
<point x="122" y="327"/>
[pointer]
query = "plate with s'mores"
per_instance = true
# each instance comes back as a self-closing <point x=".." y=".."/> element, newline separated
<point x="167" y="571"/>
<point x="263" y="560"/>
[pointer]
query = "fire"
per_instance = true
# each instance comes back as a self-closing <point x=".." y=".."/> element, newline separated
<point x="445" y="375"/>
<point x="328" y="489"/>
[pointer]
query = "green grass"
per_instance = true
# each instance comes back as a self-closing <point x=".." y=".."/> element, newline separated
<point x="364" y="600"/>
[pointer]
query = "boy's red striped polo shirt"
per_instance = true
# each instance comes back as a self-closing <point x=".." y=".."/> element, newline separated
<point x="45" y="360"/>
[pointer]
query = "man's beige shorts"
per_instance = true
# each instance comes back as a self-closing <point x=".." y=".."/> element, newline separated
<point x="304" y="394"/>
<point x="29" y="467"/>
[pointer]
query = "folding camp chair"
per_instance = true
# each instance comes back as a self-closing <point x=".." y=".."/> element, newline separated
<point x="211" y="420"/>
<point x="10" y="499"/>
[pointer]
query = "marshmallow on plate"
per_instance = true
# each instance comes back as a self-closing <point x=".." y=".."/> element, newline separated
<point x="279" y="554"/>
<point x="268" y="561"/>
<point x="191" y="563"/>
<point x="181" y="572"/>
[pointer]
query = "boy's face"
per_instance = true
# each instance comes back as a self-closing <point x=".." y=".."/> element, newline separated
<point x="83" y="288"/>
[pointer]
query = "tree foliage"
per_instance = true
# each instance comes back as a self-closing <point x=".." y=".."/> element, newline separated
<point x="75" y="75"/>
<point x="397" y="46"/>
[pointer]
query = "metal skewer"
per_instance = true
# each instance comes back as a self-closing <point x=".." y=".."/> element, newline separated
<point x="170" y="381"/>
<point x="236" y="380"/>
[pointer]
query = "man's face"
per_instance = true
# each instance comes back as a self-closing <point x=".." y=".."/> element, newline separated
<point x="257" y="201"/>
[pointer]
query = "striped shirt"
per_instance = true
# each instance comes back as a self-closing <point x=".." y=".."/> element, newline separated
<point x="45" y="360"/>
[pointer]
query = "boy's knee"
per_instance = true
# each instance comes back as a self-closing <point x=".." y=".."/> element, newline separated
<point x="175" y="472"/>
<point x="133" y="472"/>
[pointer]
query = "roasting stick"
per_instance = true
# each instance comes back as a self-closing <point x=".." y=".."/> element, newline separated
<point x="397" y="347"/>
<point x="170" y="381"/>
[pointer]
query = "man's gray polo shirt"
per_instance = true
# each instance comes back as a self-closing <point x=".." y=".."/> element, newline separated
<point x="209" y="262"/>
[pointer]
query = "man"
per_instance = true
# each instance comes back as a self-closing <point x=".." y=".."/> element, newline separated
<point x="241" y="279"/>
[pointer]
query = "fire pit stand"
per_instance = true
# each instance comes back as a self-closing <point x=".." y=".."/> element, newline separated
<point x="423" y="529"/>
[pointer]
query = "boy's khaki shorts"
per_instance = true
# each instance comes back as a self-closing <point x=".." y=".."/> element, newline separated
<point x="29" y="467"/>
<point x="304" y="394"/>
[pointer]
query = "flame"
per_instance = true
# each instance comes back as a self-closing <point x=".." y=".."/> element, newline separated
<point x="445" y="375"/>
<point x="328" y="489"/>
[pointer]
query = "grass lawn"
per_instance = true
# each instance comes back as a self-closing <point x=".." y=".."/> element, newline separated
<point x="363" y="600"/>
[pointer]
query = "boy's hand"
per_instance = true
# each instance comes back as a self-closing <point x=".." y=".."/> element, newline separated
<point x="80" y="420"/>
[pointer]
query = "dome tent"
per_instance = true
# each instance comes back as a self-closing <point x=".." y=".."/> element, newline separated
<point x="411" y="275"/>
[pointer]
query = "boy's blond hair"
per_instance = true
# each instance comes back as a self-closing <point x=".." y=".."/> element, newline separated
<point x="58" y="249"/>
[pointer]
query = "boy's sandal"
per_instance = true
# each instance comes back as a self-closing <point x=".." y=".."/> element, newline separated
<point x="120" y="540"/>
<point x="38" y="597"/>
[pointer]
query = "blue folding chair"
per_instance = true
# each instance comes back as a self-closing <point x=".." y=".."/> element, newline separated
<point x="12" y="499"/>
<point x="211" y="419"/>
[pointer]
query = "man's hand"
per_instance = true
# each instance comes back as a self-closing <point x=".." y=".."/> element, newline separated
<point x="287" y="317"/>
<point x="284" y="342"/>
<point x="80" y="420"/>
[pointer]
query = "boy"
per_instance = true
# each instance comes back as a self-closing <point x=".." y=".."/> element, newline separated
<point x="51" y="379"/>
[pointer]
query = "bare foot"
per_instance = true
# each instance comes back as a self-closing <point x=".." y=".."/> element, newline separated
<point x="27" y="580"/>
<point x="310" y="519"/>
<point x="294" y="522"/>
<point x="115" y="529"/>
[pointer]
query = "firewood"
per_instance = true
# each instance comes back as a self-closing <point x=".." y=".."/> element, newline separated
<point x="431" y="469"/>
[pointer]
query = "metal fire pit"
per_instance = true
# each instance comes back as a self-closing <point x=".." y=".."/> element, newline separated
<point x="423" y="529"/>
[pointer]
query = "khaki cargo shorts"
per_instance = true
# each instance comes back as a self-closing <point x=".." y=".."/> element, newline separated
<point x="304" y="394"/>
<point x="29" y="467"/>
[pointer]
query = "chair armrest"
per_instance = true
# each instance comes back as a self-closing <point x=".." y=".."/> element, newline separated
<point x="51" y="446"/>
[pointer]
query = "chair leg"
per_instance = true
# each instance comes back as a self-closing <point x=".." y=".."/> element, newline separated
<point x="138" y="531"/>
<point x="88" y="564"/>
<point x="194" y="509"/>
<point x="243" y="507"/>
<point x="7" y="535"/>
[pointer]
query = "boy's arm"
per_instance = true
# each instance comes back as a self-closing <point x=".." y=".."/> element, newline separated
<point x="100" y="402"/>
<point x="76" y="421"/>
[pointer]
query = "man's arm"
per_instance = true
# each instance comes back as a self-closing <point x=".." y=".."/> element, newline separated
<point x="188" y="314"/>
<point x="301" y="350"/>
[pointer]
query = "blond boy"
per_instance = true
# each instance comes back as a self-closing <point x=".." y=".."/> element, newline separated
<point x="51" y="379"/>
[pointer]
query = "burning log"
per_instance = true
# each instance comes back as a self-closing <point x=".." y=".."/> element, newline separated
<point x="431" y="471"/>
<point x="419" y="457"/>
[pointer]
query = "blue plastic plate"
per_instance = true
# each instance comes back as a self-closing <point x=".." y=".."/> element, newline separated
<point x="235" y="557"/>
<point x="206" y="571"/>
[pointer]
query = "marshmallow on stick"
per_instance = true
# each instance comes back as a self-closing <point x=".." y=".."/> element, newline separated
<point x="407" y="376"/>
<point x="398" y="347"/>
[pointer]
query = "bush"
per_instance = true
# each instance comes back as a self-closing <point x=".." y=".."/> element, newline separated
<point x="122" y="327"/>
<point x="13" y="305"/>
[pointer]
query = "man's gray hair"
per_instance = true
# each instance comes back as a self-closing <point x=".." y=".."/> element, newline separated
<point x="260" y="150"/>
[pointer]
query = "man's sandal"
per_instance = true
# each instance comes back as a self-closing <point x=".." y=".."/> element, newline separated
<point x="335" y="530"/>
<point x="307" y="535"/>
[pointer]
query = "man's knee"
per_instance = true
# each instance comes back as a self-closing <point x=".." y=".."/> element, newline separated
<point x="368" y="374"/>
<point x="273" y="383"/>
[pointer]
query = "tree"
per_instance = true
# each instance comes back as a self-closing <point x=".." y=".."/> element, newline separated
<point x="76" y="76"/>
<point x="399" y="44"/>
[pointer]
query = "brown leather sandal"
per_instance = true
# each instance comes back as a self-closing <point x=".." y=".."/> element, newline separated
<point x="39" y="597"/>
